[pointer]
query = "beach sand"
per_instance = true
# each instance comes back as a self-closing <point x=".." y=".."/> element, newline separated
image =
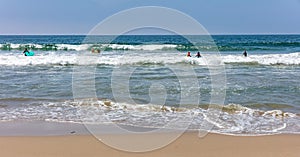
<point x="212" y="145"/>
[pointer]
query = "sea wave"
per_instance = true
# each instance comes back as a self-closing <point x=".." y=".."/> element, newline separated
<point x="231" y="118"/>
<point x="269" y="59"/>
<point x="10" y="59"/>
<point x="151" y="47"/>
<point x="89" y="47"/>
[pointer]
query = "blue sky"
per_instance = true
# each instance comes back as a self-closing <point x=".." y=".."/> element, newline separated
<point x="217" y="16"/>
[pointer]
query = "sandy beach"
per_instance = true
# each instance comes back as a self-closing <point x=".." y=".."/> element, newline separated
<point x="153" y="78"/>
<point x="189" y="144"/>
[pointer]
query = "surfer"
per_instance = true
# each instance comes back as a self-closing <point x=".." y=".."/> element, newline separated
<point x="245" y="53"/>
<point x="198" y="54"/>
<point x="26" y="50"/>
<point x="96" y="50"/>
<point x="189" y="54"/>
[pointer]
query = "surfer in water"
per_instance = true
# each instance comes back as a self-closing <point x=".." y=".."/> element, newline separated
<point x="26" y="50"/>
<point x="95" y="50"/>
<point x="198" y="54"/>
<point x="189" y="54"/>
<point x="245" y="53"/>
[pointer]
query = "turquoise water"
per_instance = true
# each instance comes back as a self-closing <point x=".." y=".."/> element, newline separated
<point x="262" y="90"/>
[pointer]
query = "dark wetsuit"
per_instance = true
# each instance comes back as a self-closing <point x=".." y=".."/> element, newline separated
<point x="245" y="53"/>
<point x="25" y="51"/>
<point x="198" y="55"/>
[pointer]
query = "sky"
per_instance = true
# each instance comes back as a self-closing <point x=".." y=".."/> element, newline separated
<point x="217" y="16"/>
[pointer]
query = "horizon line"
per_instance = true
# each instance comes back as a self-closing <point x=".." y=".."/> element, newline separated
<point x="152" y="34"/>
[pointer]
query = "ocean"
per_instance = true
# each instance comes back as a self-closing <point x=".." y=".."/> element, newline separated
<point x="262" y="90"/>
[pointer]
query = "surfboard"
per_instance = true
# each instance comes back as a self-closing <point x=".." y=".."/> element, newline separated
<point x="30" y="53"/>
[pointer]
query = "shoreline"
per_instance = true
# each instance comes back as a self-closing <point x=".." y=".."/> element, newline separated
<point x="48" y="128"/>
<point x="189" y="144"/>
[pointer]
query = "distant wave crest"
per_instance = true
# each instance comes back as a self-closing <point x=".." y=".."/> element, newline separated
<point x="150" y="47"/>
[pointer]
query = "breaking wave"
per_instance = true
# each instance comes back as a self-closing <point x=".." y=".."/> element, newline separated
<point x="233" y="47"/>
<point x="144" y="58"/>
<point x="233" y="119"/>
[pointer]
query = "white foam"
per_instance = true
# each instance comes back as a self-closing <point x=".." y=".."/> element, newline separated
<point x="154" y="116"/>
<point x="268" y="59"/>
<point x="21" y="60"/>
<point x="73" y="47"/>
<point x="14" y="46"/>
<point x="151" y="47"/>
<point x="82" y="47"/>
<point x="141" y="57"/>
